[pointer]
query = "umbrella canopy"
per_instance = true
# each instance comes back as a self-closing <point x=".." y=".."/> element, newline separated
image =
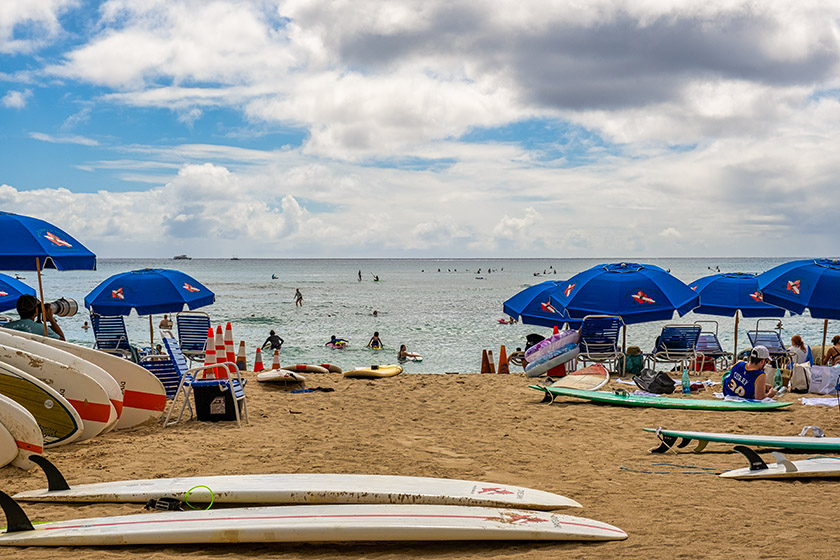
<point x="812" y="284"/>
<point x="148" y="291"/>
<point x="10" y="290"/>
<point x="533" y="306"/>
<point x="636" y="292"/>
<point x="24" y="239"/>
<point x="727" y="294"/>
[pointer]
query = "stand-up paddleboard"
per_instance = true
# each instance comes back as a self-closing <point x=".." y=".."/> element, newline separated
<point x="86" y="395"/>
<point x="280" y="376"/>
<point x="278" y="489"/>
<point x="816" y="467"/>
<point x="144" y="397"/>
<point x="679" y="439"/>
<point x="332" y="368"/>
<point x="321" y="523"/>
<point x="23" y="427"/>
<point x="307" y="368"/>
<point x="589" y="378"/>
<point x="58" y="420"/>
<point x="112" y="388"/>
<point x="8" y="446"/>
<point x="628" y="399"/>
<point x="373" y="372"/>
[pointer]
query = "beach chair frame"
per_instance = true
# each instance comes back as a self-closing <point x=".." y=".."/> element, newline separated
<point x="677" y="344"/>
<point x="598" y="340"/>
<point x="110" y="335"/>
<point x="709" y="344"/>
<point x="771" y="338"/>
<point x="192" y="334"/>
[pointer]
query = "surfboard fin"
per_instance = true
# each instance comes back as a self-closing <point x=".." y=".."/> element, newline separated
<point x="55" y="479"/>
<point x="756" y="462"/>
<point x="666" y="445"/>
<point x="782" y="460"/>
<point x="16" y="519"/>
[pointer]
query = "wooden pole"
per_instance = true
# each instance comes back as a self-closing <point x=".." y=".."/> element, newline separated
<point x="41" y="290"/>
<point x="825" y="332"/>
<point x="735" y="353"/>
<point x="151" y="334"/>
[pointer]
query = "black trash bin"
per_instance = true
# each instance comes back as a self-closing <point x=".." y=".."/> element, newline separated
<point x="213" y="401"/>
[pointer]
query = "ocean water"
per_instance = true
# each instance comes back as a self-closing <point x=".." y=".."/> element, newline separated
<point x="445" y="309"/>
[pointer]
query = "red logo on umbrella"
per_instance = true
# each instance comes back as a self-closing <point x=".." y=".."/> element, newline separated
<point x="4" y="293"/>
<point x="793" y="286"/>
<point x="569" y="289"/>
<point x="757" y="296"/>
<point x="117" y="294"/>
<point x="191" y="288"/>
<point x="548" y="307"/>
<point x="642" y="297"/>
<point x="56" y="239"/>
<point x="694" y="288"/>
<point x="494" y="491"/>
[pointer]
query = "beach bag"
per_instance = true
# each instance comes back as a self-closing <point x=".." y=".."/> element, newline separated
<point x="630" y="364"/>
<point x="654" y="382"/>
<point x="823" y="379"/>
<point x="800" y="378"/>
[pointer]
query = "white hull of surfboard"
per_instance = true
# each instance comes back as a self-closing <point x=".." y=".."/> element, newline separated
<point x="808" y="468"/>
<point x="144" y="397"/>
<point x="23" y="427"/>
<point x="322" y="523"/>
<point x="831" y="444"/>
<point x="309" y="489"/>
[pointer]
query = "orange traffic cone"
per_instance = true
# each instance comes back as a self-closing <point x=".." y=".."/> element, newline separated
<point x="221" y="372"/>
<point x="258" y="365"/>
<point x="490" y="362"/>
<point x="275" y="363"/>
<point x="485" y="362"/>
<point x="230" y="356"/>
<point x="556" y="330"/>
<point x="503" y="360"/>
<point x="209" y="353"/>
<point x="241" y="360"/>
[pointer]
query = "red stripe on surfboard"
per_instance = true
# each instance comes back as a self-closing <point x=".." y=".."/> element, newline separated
<point x="118" y="406"/>
<point x="144" y="401"/>
<point x="86" y="523"/>
<point x="93" y="412"/>
<point x="29" y="447"/>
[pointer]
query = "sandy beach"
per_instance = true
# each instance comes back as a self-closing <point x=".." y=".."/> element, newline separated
<point x="483" y="427"/>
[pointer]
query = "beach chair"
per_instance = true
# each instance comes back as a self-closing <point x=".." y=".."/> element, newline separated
<point x="772" y="339"/>
<point x="192" y="334"/>
<point x="163" y="368"/>
<point x="709" y="345"/>
<point x="110" y="336"/>
<point x="189" y="380"/>
<point x="599" y="340"/>
<point x="677" y="344"/>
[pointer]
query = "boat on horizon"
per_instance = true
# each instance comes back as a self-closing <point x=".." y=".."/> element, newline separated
<point x="181" y="258"/>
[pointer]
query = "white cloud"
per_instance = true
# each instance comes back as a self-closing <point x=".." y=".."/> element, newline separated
<point x="28" y="24"/>
<point x="66" y="139"/>
<point x="16" y="99"/>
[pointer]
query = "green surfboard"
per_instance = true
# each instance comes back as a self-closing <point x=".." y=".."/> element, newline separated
<point x="784" y="442"/>
<point x="626" y="399"/>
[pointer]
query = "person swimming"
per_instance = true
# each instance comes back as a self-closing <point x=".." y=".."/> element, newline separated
<point x="336" y="342"/>
<point x="375" y="343"/>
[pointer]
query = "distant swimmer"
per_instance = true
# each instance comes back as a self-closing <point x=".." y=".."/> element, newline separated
<point x="336" y="342"/>
<point x="298" y="298"/>
<point x="360" y="276"/>
<point x="375" y="343"/>
<point x="404" y="355"/>
<point x="274" y="341"/>
<point x="375" y="313"/>
<point x="274" y="277"/>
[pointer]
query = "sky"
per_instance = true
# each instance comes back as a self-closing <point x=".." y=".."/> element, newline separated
<point x="427" y="128"/>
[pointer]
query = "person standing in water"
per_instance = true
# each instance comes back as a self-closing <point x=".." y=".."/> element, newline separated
<point x="375" y="343"/>
<point x="275" y="341"/>
<point x="360" y="275"/>
<point x="298" y="298"/>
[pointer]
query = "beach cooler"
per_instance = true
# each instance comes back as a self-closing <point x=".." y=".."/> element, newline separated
<point x="213" y="401"/>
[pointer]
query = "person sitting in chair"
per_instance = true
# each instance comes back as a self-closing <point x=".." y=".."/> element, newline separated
<point x="28" y="307"/>
<point x="747" y="380"/>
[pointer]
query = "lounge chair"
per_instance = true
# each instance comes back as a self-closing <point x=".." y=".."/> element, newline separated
<point x="163" y="368"/>
<point x="110" y="336"/>
<point x="709" y="345"/>
<point x="599" y="340"/>
<point x="677" y="344"/>
<point x="189" y="379"/>
<point x="772" y="339"/>
<point x="192" y="334"/>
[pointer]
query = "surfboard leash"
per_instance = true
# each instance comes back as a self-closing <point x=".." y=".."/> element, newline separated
<point x="694" y="469"/>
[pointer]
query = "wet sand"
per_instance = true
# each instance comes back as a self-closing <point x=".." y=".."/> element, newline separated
<point x="484" y="427"/>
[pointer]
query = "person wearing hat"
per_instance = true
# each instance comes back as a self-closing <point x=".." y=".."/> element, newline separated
<point x="29" y="309"/>
<point x="747" y="380"/>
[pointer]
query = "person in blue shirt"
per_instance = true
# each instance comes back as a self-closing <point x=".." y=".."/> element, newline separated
<point x="28" y="307"/>
<point x="747" y="380"/>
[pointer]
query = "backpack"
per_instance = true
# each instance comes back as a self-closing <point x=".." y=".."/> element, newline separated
<point x="654" y="382"/>
<point x="800" y="378"/>
<point x="631" y="364"/>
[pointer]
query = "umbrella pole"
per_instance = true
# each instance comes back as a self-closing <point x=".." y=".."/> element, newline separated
<point x="151" y="334"/>
<point x="41" y="290"/>
<point x="825" y="332"/>
<point x="624" y="338"/>
<point x="735" y="353"/>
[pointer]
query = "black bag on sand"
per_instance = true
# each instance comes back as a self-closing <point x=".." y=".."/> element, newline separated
<point x="654" y="382"/>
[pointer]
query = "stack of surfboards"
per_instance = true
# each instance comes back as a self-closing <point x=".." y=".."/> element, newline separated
<point x="70" y="393"/>
<point x="304" y="508"/>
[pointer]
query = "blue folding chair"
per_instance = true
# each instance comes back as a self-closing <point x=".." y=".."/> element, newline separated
<point x="110" y="336"/>
<point x="772" y="340"/>
<point x="163" y="368"/>
<point x="192" y="334"/>
<point x="189" y="380"/>
<point x="709" y="345"/>
<point x="677" y="344"/>
<point x="599" y="340"/>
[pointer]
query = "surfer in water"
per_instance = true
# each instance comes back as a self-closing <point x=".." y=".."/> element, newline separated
<point x="298" y="298"/>
<point x="336" y="342"/>
<point x="275" y="341"/>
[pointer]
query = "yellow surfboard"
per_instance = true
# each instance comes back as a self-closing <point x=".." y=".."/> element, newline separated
<point x="373" y="372"/>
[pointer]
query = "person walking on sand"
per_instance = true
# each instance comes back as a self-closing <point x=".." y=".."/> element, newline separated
<point x="298" y="298"/>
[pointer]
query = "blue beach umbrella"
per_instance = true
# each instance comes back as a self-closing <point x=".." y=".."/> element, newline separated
<point x="636" y="292"/>
<point x="28" y="243"/>
<point x="148" y="291"/>
<point x="533" y="306"/>
<point x="10" y="290"/>
<point x="731" y="294"/>
<point x="812" y="284"/>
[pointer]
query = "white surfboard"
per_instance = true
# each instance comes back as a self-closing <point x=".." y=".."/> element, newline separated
<point x="8" y="446"/>
<point x="589" y="378"/>
<point x="304" y="489"/>
<point x="144" y="397"/>
<point x="816" y="467"/>
<point x="58" y="420"/>
<point x="316" y="523"/>
<point x="24" y="429"/>
<point x="86" y="395"/>
<point x="90" y="369"/>
<point x="280" y="376"/>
